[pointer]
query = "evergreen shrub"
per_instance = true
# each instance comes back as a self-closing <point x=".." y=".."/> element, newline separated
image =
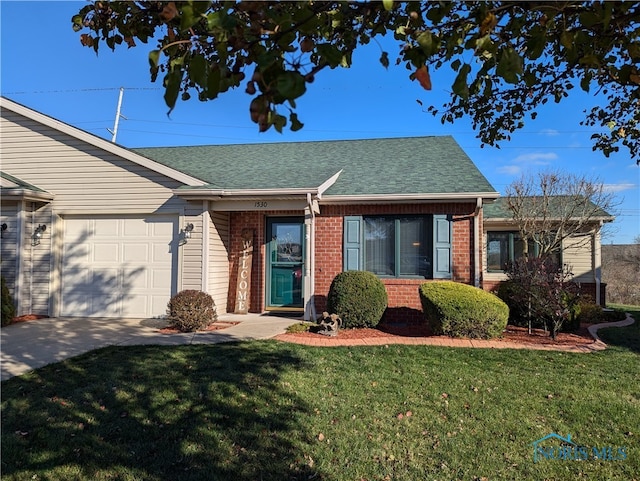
<point x="460" y="310"/>
<point x="359" y="298"/>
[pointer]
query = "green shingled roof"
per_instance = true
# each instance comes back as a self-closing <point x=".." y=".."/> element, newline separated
<point x="498" y="209"/>
<point x="415" y="165"/>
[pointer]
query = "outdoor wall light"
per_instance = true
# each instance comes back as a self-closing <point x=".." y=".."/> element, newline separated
<point x="187" y="230"/>
<point x="3" y="228"/>
<point x="37" y="235"/>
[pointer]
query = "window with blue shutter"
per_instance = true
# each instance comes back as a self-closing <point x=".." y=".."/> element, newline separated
<point x="441" y="247"/>
<point x="352" y="243"/>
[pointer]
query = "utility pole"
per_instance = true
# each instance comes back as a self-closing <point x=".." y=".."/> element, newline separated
<point x="114" y="132"/>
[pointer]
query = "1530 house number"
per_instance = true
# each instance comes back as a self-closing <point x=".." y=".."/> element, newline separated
<point x="260" y="205"/>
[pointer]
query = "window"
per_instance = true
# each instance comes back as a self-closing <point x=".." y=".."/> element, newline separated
<point x="399" y="246"/>
<point x="505" y="247"/>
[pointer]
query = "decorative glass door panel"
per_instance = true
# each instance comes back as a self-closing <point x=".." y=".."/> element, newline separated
<point x="285" y="254"/>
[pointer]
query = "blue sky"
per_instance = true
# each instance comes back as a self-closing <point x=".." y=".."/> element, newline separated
<point x="44" y="67"/>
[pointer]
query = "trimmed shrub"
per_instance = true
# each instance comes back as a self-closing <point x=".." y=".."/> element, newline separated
<point x="191" y="310"/>
<point x="589" y="313"/>
<point x="8" y="308"/>
<point x="460" y="310"/>
<point x="358" y="297"/>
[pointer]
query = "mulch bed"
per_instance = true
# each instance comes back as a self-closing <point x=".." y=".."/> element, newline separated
<point x="28" y="317"/>
<point x="511" y="334"/>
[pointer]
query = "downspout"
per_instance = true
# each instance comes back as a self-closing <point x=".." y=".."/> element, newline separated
<point x="18" y="283"/>
<point x="205" y="247"/>
<point x="309" y="265"/>
<point x="597" y="262"/>
<point x="476" y="242"/>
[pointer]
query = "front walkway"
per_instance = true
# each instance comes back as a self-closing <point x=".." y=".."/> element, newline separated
<point x="323" y="341"/>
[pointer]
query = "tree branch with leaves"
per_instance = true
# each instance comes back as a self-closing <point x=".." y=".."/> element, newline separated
<point x="510" y="58"/>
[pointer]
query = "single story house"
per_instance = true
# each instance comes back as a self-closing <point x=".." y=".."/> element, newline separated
<point x="97" y="230"/>
<point x="581" y="252"/>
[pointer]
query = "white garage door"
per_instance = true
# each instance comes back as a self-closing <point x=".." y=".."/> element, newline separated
<point x="119" y="267"/>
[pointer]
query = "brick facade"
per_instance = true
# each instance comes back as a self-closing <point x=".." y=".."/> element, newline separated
<point x="404" y="300"/>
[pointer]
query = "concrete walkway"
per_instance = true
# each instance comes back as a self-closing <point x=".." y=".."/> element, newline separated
<point x="29" y="345"/>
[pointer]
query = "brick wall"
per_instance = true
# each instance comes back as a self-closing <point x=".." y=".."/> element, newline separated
<point x="404" y="300"/>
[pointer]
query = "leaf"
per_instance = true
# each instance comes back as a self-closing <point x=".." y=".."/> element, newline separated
<point x="460" y="86"/>
<point x="154" y="58"/>
<point x="384" y="59"/>
<point x="427" y="43"/>
<point x="290" y="84"/>
<point x="295" y="123"/>
<point x="510" y="65"/>
<point x="198" y="70"/>
<point x="172" y="88"/>
<point x="422" y="74"/>
<point x="331" y="54"/>
<point x="489" y="22"/>
<point x="213" y="83"/>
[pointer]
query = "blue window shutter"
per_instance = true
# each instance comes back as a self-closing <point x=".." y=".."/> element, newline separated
<point x="441" y="247"/>
<point x="352" y="243"/>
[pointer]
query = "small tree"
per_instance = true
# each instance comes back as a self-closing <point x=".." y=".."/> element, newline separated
<point x="553" y="206"/>
<point x="546" y="290"/>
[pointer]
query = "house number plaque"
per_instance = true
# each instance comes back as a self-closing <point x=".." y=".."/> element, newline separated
<point x="243" y="289"/>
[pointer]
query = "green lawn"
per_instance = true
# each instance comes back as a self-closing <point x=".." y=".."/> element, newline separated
<point x="273" y="411"/>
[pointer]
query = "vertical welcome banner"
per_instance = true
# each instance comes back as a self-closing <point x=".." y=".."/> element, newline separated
<point x="245" y="258"/>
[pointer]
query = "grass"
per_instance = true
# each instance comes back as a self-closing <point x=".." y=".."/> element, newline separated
<point x="273" y="411"/>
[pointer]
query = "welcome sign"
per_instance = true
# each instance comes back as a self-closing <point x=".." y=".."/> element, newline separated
<point x="243" y="288"/>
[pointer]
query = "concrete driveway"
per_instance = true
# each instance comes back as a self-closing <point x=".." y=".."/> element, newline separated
<point x="29" y="345"/>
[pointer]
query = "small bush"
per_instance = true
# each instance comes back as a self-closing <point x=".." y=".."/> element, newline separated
<point x="460" y="310"/>
<point x="589" y="313"/>
<point x="8" y="308"/>
<point x="191" y="310"/>
<point x="299" y="327"/>
<point x="358" y="297"/>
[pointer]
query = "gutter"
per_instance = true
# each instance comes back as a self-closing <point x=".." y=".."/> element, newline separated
<point x="26" y="194"/>
<point x="477" y="229"/>
<point x="416" y="197"/>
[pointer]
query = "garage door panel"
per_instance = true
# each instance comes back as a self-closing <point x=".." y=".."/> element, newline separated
<point x="105" y="252"/>
<point x="160" y="279"/>
<point x="135" y="252"/>
<point x="123" y="266"/>
<point x="134" y="228"/>
<point x="106" y="227"/>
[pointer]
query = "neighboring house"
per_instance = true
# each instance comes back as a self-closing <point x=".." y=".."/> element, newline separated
<point x="580" y="252"/>
<point x="260" y="227"/>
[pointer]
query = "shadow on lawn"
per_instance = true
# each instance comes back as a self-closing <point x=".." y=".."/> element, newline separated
<point x="623" y="337"/>
<point x="188" y="413"/>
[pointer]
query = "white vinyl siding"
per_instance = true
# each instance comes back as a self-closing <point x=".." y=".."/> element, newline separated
<point x="192" y="269"/>
<point x="219" y="259"/>
<point x="576" y="254"/>
<point x="83" y="178"/>
<point x="8" y="245"/>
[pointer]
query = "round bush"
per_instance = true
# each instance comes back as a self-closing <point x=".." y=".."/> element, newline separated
<point x="358" y="297"/>
<point x="460" y="310"/>
<point x="191" y="310"/>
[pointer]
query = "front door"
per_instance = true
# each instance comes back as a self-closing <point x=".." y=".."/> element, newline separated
<point x="285" y="267"/>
